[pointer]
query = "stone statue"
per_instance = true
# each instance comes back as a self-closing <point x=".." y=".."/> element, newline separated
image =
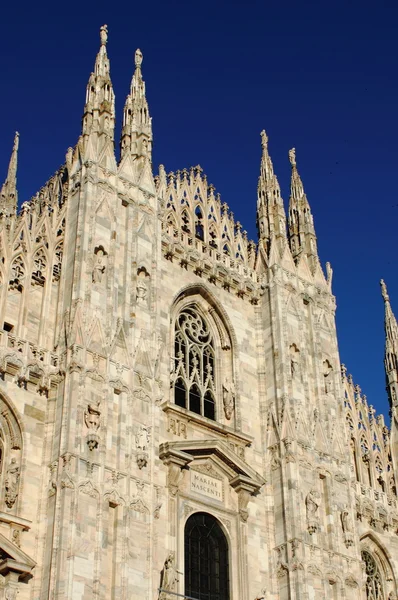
<point x="11" y="483"/>
<point x="99" y="267"/>
<point x="169" y="577"/>
<point x="104" y="35"/>
<point x="142" y="443"/>
<point x="312" y="505"/>
<point x="292" y="156"/>
<point x="92" y="420"/>
<point x="142" y="438"/>
<point x="228" y="395"/>
<point x="346" y="521"/>
<point x="138" y="58"/>
<point x="142" y="290"/>
<point x="92" y="417"/>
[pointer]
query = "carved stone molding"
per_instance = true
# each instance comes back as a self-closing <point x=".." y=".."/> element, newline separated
<point x="176" y="461"/>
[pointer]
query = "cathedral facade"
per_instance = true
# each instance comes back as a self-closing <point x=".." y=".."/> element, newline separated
<point x="175" y="422"/>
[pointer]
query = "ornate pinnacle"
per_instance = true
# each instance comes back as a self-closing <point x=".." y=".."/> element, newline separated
<point x="104" y="35"/>
<point x="138" y="58"/>
<point x="292" y="156"/>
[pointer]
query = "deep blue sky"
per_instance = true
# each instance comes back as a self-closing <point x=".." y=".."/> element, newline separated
<point x="320" y="76"/>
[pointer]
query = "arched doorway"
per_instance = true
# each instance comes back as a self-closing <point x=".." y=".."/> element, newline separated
<point x="206" y="559"/>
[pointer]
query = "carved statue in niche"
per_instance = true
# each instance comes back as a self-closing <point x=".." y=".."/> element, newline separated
<point x="312" y="505"/>
<point x="142" y="438"/>
<point x="327" y="375"/>
<point x="169" y="577"/>
<point x="294" y="361"/>
<point x="92" y="417"/>
<point x="228" y="396"/>
<point x="142" y="286"/>
<point x="99" y="264"/>
<point x="346" y="524"/>
<point x="11" y="483"/>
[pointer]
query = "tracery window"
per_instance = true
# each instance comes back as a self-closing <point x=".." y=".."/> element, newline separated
<point x="374" y="585"/>
<point x="194" y="369"/>
<point x="206" y="559"/>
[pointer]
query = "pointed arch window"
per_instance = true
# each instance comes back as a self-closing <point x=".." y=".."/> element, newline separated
<point x="206" y="559"/>
<point x="194" y="369"/>
<point x="374" y="584"/>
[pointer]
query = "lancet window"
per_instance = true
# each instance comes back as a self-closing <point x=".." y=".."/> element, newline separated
<point x="194" y="363"/>
<point x="374" y="584"/>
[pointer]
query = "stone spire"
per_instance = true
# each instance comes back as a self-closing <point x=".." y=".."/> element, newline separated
<point x="8" y="193"/>
<point x="99" y="110"/>
<point x="391" y="348"/>
<point x="271" y="217"/>
<point x="302" y="236"/>
<point x="137" y="124"/>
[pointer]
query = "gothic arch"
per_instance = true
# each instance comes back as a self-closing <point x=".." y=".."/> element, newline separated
<point x="206" y="537"/>
<point x="199" y="289"/>
<point x="382" y="557"/>
<point x="216" y="394"/>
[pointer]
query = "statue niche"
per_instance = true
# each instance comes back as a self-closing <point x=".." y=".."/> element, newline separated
<point x="99" y="264"/>
<point x="142" y="285"/>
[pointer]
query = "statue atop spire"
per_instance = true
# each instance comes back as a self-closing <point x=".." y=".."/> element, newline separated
<point x="264" y="139"/>
<point x="104" y="35"/>
<point x="302" y="236"/>
<point x="99" y="110"/>
<point x="137" y="123"/>
<point x="8" y="193"/>
<point x="138" y="58"/>
<point x="384" y="292"/>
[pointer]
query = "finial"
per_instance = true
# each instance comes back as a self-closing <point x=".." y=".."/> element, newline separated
<point x="16" y="140"/>
<point x="138" y="58"/>
<point x="384" y="292"/>
<point x="292" y="156"/>
<point x="264" y="139"/>
<point x="104" y="35"/>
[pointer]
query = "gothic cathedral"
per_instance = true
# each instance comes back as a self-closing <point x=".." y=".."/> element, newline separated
<point x="175" y="422"/>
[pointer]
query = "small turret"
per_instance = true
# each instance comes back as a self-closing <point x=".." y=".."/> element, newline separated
<point x="99" y="110"/>
<point x="8" y="193"/>
<point x="302" y="236"/>
<point x="137" y="124"/>
<point x="271" y="217"/>
<point x="391" y="348"/>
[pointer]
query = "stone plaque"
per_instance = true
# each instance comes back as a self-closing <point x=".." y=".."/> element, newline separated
<point x="206" y="485"/>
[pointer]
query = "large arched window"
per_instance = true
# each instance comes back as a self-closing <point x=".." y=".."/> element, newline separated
<point x="194" y="369"/>
<point x="374" y="584"/>
<point x="206" y="559"/>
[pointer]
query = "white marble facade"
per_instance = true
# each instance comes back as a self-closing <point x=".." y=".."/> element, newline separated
<point x="161" y="374"/>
